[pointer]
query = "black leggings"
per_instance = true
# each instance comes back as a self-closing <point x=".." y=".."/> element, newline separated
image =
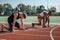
<point x="10" y="25"/>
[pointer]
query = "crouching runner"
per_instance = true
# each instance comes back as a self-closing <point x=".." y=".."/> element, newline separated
<point x="12" y="20"/>
<point x="43" y="16"/>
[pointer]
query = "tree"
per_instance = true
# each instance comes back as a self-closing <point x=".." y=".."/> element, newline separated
<point x="21" y="7"/>
<point x="7" y="9"/>
<point x="28" y="9"/>
<point x="53" y="9"/>
<point x="1" y="9"/>
<point x="40" y="9"/>
<point x="33" y="10"/>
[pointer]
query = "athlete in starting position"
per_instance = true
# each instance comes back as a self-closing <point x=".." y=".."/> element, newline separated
<point x="43" y="16"/>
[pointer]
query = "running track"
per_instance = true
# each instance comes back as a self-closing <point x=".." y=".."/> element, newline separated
<point x="37" y="33"/>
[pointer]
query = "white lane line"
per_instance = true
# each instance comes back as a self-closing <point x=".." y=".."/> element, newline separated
<point x="18" y="34"/>
<point x="33" y="35"/>
<point x="26" y="34"/>
<point x="51" y="32"/>
<point x="2" y="39"/>
<point x="16" y="31"/>
<point x="44" y="35"/>
<point x="9" y="32"/>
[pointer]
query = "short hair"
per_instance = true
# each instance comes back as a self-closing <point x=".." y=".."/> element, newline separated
<point x="49" y="13"/>
<point x="24" y="15"/>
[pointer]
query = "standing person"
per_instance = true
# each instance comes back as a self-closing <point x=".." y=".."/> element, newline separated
<point x="12" y="20"/>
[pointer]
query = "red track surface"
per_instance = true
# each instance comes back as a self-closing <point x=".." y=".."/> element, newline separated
<point x="38" y="33"/>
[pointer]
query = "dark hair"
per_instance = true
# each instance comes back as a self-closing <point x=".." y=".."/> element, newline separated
<point x="24" y="15"/>
<point x="49" y="13"/>
<point x="45" y="13"/>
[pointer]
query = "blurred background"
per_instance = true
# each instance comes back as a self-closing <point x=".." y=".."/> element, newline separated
<point x="31" y="7"/>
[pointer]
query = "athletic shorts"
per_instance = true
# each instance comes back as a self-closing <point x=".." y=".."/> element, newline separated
<point x="40" y="19"/>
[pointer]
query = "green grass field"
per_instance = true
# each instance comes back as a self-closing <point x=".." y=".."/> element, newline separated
<point x="54" y="20"/>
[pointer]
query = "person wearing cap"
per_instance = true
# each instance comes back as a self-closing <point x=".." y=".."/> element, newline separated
<point x="12" y="20"/>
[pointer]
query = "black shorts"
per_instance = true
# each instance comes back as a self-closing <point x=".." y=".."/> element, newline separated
<point x="17" y="25"/>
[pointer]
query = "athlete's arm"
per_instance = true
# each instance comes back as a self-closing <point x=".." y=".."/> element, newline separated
<point x="48" y="21"/>
<point x="14" y="19"/>
<point x="21" y="20"/>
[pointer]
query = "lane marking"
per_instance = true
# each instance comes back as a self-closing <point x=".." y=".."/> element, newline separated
<point x="33" y="35"/>
<point x="3" y="39"/>
<point x="52" y="33"/>
<point x="36" y="35"/>
<point x="17" y="31"/>
<point x="9" y="32"/>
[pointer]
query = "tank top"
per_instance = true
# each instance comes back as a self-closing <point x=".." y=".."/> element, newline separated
<point x="10" y="18"/>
